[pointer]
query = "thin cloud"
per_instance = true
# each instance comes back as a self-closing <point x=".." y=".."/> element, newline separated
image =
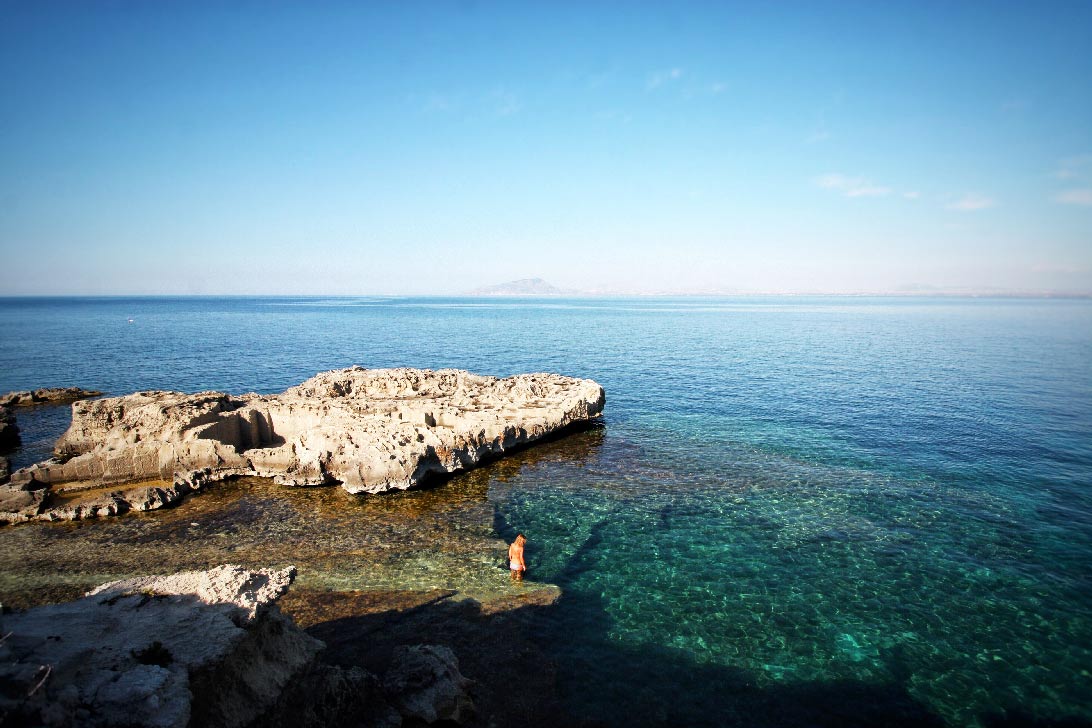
<point x="868" y="190"/>
<point x="911" y="195"/>
<point x="1073" y="167"/>
<point x="972" y="203"/>
<point x="1081" y="196"/>
<point x="818" y="136"/>
<point x="851" y="186"/>
<point x="658" y="78"/>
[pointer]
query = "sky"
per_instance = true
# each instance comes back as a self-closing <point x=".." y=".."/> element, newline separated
<point x="431" y="148"/>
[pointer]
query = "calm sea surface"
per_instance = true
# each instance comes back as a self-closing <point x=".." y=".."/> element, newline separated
<point x="877" y="503"/>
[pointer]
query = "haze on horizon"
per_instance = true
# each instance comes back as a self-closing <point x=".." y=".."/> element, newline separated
<point x="435" y="148"/>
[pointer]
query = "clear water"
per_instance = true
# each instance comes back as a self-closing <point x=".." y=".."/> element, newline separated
<point x="798" y="511"/>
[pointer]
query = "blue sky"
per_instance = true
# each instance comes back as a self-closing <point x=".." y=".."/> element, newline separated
<point x="417" y="148"/>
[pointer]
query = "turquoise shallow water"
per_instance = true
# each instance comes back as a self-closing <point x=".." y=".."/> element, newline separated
<point x="797" y="511"/>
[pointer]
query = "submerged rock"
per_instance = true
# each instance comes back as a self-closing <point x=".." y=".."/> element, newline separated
<point x="368" y="430"/>
<point x="200" y="648"/>
<point x="425" y="684"/>
<point x="332" y="696"/>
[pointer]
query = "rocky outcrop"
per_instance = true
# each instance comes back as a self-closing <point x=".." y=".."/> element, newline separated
<point x="201" y="648"/>
<point x="49" y="395"/>
<point x="368" y="430"/>
<point x="206" y="648"/>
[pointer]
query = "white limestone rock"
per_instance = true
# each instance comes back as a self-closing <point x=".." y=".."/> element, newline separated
<point x="245" y="589"/>
<point x="200" y="648"/>
<point x="368" y="430"/>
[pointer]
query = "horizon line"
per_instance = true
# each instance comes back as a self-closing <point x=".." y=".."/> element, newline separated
<point x="580" y="295"/>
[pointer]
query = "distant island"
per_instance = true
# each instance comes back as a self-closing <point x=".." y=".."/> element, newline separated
<point x="522" y="287"/>
<point x="540" y="287"/>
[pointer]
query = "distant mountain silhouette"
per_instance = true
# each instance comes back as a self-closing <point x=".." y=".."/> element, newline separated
<point x="522" y="287"/>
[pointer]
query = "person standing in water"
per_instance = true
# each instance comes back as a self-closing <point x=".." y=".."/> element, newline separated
<point x="515" y="558"/>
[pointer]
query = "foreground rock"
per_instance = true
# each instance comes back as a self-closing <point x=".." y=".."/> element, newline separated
<point x="368" y="430"/>
<point x="207" y="647"/>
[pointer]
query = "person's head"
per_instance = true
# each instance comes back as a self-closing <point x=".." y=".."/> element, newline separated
<point x="520" y="540"/>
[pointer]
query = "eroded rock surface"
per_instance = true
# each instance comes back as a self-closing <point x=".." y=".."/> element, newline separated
<point x="367" y="430"/>
<point x="244" y="590"/>
<point x="206" y="648"/>
<point x="210" y="647"/>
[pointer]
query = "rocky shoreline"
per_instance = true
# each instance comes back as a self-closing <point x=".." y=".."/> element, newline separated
<point x="207" y="648"/>
<point x="369" y="431"/>
<point x="231" y="645"/>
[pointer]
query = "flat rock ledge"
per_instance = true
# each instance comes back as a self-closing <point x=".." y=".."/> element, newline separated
<point x="205" y="648"/>
<point x="368" y="430"/>
<point x="48" y="395"/>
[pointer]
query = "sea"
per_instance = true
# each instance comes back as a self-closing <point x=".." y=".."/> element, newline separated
<point x="794" y="511"/>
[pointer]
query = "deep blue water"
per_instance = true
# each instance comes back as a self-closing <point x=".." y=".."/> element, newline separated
<point x="798" y="511"/>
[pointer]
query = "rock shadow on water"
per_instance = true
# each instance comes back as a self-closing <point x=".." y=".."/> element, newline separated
<point x="611" y="684"/>
<point x="514" y="680"/>
<point x="543" y="657"/>
<point x="525" y="672"/>
<point x="1019" y="719"/>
